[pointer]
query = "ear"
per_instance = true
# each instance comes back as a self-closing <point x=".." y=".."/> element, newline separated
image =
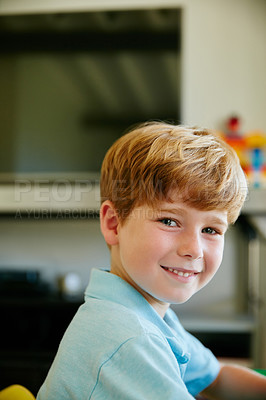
<point x="109" y="223"/>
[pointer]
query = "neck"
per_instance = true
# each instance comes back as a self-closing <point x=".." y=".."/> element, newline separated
<point x="160" y="306"/>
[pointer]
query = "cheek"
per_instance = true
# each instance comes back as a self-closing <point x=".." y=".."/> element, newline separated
<point x="132" y="252"/>
<point x="216" y="256"/>
<point x="212" y="264"/>
<point x="141" y="252"/>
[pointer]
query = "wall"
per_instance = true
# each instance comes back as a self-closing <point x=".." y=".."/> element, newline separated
<point x="225" y="62"/>
<point x="52" y="246"/>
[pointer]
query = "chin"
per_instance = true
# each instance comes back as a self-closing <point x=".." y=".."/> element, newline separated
<point x="174" y="299"/>
<point x="182" y="301"/>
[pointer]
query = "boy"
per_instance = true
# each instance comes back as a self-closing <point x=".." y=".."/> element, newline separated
<point x="168" y="195"/>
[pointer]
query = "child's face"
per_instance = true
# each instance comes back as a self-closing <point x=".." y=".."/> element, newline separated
<point x="169" y="253"/>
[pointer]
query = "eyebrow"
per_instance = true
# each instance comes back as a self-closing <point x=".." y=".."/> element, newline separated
<point x="176" y="210"/>
<point x="211" y="219"/>
<point x="219" y="221"/>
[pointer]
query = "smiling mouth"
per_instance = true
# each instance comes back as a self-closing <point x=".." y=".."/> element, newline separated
<point x="180" y="273"/>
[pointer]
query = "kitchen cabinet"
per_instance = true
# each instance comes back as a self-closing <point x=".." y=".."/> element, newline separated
<point x="257" y="285"/>
<point x="31" y="330"/>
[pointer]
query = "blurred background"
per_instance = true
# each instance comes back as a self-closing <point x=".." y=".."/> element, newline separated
<point x="73" y="77"/>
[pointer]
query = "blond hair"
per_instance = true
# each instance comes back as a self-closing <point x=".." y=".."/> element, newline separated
<point x="149" y="163"/>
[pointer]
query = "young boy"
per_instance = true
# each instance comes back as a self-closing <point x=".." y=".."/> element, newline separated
<point x="168" y="196"/>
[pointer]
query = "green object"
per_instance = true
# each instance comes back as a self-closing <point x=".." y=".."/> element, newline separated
<point x="261" y="371"/>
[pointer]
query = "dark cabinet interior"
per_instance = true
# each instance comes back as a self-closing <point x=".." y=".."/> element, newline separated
<point x="31" y="330"/>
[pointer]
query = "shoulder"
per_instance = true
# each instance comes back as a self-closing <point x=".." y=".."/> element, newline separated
<point x="97" y="318"/>
<point x="106" y="325"/>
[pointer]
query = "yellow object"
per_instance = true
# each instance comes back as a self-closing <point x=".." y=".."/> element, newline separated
<point x="16" y="392"/>
<point x="255" y="139"/>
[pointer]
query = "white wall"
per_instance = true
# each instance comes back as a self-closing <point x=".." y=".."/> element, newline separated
<point x="225" y="62"/>
<point x="52" y="246"/>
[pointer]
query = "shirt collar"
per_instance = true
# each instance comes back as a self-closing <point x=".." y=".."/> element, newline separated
<point x="106" y="286"/>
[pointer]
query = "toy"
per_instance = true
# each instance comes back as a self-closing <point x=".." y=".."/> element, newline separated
<point x="251" y="150"/>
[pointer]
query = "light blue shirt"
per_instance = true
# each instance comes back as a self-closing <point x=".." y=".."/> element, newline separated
<point x="117" y="347"/>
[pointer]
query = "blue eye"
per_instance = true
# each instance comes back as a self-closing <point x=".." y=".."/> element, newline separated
<point x="210" y="231"/>
<point x="168" y="222"/>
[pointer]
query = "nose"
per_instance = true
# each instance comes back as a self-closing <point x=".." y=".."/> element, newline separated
<point x="190" y="245"/>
